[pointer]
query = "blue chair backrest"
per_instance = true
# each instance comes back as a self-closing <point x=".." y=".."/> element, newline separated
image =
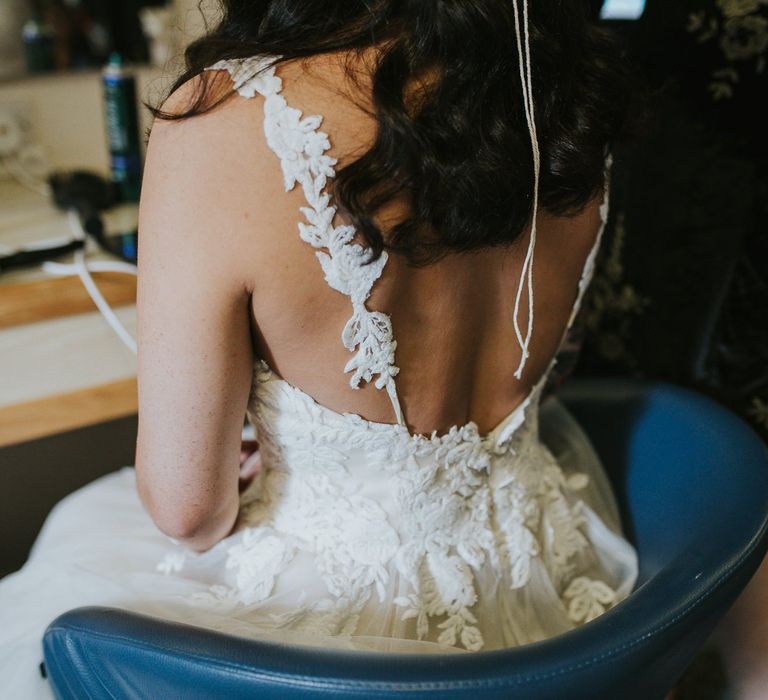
<point x="692" y="480"/>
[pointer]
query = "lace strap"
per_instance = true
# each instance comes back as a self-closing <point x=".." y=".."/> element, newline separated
<point x="301" y="148"/>
<point x="589" y="264"/>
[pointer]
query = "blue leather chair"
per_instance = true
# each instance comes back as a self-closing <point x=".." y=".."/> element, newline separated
<point x="692" y="483"/>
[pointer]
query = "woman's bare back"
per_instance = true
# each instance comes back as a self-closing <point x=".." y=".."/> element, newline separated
<point x="452" y="320"/>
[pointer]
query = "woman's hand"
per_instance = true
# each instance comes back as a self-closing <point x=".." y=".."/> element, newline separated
<point x="250" y="468"/>
<point x="250" y="463"/>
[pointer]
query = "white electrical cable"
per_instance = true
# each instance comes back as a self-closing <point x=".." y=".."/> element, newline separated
<point x="526" y="79"/>
<point x="82" y="269"/>
<point x="57" y="268"/>
<point x="80" y="266"/>
<point x="102" y="304"/>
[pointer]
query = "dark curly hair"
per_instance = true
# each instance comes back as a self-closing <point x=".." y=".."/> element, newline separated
<point x="462" y="156"/>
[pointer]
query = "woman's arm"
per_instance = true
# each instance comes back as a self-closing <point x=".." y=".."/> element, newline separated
<point x="195" y="357"/>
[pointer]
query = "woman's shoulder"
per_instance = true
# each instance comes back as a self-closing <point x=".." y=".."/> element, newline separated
<point x="203" y="123"/>
<point x="329" y="86"/>
<point x="207" y="177"/>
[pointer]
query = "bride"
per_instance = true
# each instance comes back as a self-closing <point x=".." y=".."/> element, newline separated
<point x="368" y="227"/>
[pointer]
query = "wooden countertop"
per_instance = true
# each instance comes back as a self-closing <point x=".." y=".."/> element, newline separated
<point x="61" y="365"/>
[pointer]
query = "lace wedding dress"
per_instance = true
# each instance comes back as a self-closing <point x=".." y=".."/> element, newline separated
<point x="358" y="534"/>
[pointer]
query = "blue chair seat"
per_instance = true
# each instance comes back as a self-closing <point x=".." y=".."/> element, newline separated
<point x="692" y="483"/>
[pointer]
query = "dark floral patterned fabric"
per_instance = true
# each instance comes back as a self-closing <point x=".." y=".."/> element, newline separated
<point x="681" y="289"/>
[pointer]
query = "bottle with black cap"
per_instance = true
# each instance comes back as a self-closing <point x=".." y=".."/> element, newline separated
<point x="123" y="133"/>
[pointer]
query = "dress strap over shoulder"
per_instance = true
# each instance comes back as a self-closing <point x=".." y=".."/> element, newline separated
<point x="588" y="270"/>
<point x="302" y="147"/>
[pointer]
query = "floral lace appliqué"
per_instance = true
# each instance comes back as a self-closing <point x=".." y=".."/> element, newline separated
<point x="301" y="147"/>
<point x="588" y="598"/>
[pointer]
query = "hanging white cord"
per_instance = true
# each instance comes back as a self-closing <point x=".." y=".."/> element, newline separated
<point x="524" y="59"/>
<point x="81" y="268"/>
<point x="64" y="269"/>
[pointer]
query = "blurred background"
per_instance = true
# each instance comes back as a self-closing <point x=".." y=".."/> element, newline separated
<point x="52" y="53"/>
<point x="680" y="294"/>
<point x="73" y="78"/>
<point x="682" y="289"/>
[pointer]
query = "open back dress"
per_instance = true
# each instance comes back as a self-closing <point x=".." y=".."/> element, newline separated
<point x="357" y="534"/>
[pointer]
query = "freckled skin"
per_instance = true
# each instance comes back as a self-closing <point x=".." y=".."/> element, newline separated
<point x="224" y="277"/>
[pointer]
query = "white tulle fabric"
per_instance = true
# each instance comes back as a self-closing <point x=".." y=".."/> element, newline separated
<point x="357" y="534"/>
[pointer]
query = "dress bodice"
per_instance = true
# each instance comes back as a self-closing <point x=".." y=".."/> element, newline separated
<point x="370" y="502"/>
<point x="370" y="499"/>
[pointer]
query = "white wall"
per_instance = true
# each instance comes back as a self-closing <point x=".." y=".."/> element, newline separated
<point x="64" y="112"/>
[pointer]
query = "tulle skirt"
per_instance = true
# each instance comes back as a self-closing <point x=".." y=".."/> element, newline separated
<point x="99" y="547"/>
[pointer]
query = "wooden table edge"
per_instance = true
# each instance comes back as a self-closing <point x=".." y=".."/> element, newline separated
<point x="58" y="413"/>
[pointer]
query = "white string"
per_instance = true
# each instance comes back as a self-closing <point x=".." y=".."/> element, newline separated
<point x="102" y="304"/>
<point x="68" y="269"/>
<point x="526" y="274"/>
<point x="83" y="269"/>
